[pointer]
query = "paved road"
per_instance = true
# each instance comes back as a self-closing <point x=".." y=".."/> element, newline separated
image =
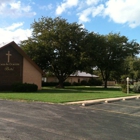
<point x="42" y="121"/>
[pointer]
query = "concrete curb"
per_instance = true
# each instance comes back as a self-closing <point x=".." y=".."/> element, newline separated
<point x="100" y="101"/>
<point x="110" y="100"/>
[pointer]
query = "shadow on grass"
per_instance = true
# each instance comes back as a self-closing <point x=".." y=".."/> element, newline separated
<point x="71" y="89"/>
<point x="95" y="89"/>
<point x="79" y="89"/>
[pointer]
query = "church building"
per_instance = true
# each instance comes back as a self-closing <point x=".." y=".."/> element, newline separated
<point x="16" y="66"/>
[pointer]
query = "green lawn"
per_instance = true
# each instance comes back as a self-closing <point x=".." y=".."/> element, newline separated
<point x="68" y="94"/>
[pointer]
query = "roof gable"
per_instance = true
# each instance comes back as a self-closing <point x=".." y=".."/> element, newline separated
<point x="22" y="53"/>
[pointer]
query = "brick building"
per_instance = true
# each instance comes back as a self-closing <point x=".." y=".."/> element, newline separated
<point x="16" y="66"/>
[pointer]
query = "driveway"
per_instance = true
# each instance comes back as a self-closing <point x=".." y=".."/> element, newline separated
<point x="42" y="121"/>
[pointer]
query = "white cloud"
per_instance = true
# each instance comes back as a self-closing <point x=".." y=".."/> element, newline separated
<point x="119" y="11"/>
<point x="98" y="10"/>
<point x="14" y="33"/>
<point x="15" y="8"/>
<point x="46" y="7"/>
<point x="84" y="16"/>
<point x="14" y="26"/>
<point x="66" y="5"/>
<point x="124" y="11"/>
<point x="15" y="5"/>
<point x="91" y="2"/>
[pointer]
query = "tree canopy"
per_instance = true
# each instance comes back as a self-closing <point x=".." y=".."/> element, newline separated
<point x="55" y="46"/>
<point x="108" y="52"/>
<point x="63" y="48"/>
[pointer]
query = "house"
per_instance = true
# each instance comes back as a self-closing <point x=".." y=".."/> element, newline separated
<point x="80" y="76"/>
<point x="76" y="77"/>
<point x="16" y="66"/>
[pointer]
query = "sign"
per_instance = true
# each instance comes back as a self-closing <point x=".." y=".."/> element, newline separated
<point x="11" y="66"/>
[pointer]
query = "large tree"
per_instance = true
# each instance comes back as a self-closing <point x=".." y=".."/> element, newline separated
<point x="56" y="46"/>
<point x="136" y="68"/>
<point x="108" y="52"/>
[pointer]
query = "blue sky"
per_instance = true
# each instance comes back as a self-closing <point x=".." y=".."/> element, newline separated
<point x="100" y="16"/>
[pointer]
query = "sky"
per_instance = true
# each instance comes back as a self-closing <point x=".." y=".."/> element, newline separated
<point x="100" y="16"/>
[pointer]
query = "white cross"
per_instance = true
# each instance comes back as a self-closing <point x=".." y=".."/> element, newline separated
<point x="8" y="54"/>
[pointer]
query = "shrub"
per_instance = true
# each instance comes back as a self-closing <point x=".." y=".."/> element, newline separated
<point x="67" y="84"/>
<point x="24" y="87"/>
<point x="84" y="83"/>
<point x="54" y="84"/>
<point x="124" y="88"/>
<point x="76" y="84"/>
<point x="136" y="88"/>
<point x="95" y="82"/>
<point x="44" y="84"/>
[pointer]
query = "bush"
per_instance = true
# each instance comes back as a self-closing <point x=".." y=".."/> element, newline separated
<point x="24" y="87"/>
<point x="136" y="88"/>
<point x="124" y="88"/>
<point x="54" y="84"/>
<point x="76" y="84"/>
<point x="95" y="82"/>
<point x="45" y="84"/>
<point x="84" y="83"/>
<point x="67" y="84"/>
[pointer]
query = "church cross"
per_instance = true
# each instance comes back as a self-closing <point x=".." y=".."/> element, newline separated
<point x="8" y="55"/>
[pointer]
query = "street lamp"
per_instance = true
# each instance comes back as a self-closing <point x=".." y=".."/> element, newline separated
<point x="127" y="79"/>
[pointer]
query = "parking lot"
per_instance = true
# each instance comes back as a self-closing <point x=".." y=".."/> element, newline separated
<point x="42" y="121"/>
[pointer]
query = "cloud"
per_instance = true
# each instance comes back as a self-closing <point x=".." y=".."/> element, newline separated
<point x="124" y="12"/>
<point x="46" y="7"/>
<point x="92" y="2"/>
<point x="14" y="26"/>
<point x="118" y="11"/>
<point x="15" y="5"/>
<point x="66" y="5"/>
<point x="95" y="10"/>
<point x="83" y="16"/>
<point x="14" y="33"/>
<point x="14" y="8"/>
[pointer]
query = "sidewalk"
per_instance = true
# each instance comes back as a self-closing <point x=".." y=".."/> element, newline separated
<point x="107" y="100"/>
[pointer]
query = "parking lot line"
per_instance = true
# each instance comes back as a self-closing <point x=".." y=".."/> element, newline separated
<point x="125" y="105"/>
<point x="116" y="112"/>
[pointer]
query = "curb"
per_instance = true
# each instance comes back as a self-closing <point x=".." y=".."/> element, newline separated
<point x="87" y="103"/>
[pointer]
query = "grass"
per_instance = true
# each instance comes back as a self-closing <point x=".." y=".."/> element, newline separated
<point x="68" y="94"/>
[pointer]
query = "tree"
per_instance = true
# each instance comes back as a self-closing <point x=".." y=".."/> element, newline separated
<point x="109" y="52"/>
<point x="55" y="46"/>
<point x="125" y="71"/>
<point x="136" y="68"/>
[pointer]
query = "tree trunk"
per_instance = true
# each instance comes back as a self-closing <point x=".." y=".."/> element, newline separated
<point x="61" y="83"/>
<point x="105" y="83"/>
<point x="104" y="77"/>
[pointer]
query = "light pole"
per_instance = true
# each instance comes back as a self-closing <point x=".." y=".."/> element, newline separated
<point x="127" y="79"/>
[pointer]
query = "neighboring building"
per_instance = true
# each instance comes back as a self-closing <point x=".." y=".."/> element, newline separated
<point x="16" y="66"/>
<point x="77" y="77"/>
<point x="80" y="76"/>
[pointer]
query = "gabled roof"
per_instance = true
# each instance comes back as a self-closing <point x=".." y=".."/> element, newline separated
<point x="20" y="51"/>
<point x="83" y="74"/>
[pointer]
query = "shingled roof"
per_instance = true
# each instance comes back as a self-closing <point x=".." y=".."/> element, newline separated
<point x="83" y="74"/>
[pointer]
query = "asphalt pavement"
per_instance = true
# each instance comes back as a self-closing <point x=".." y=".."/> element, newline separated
<point x="119" y="120"/>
